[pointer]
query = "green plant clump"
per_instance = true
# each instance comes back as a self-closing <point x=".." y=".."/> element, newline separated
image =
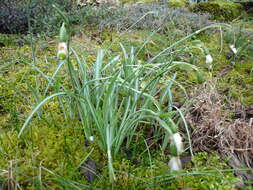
<point x="220" y="10"/>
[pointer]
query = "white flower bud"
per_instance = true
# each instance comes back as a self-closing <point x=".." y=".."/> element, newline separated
<point x="175" y="163"/>
<point x="91" y="138"/>
<point x="62" y="51"/>
<point x="177" y="141"/>
<point x="209" y="59"/>
<point x="233" y="49"/>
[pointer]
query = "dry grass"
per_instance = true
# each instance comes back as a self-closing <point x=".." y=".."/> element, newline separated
<point x="207" y="118"/>
<point x="236" y="142"/>
<point x="225" y="128"/>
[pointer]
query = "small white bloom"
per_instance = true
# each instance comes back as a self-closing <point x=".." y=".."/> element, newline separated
<point x="233" y="49"/>
<point x="62" y="51"/>
<point x="209" y="59"/>
<point x="177" y="141"/>
<point x="91" y="138"/>
<point x="175" y="163"/>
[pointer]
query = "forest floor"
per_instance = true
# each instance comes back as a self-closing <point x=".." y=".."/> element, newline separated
<point x="215" y="97"/>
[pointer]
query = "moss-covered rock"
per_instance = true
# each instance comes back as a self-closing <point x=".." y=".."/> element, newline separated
<point x="177" y="3"/>
<point x="221" y="10"/>
<point x="247" y="5"/>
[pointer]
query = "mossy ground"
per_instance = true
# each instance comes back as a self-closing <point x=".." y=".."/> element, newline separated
<point x="177" y="3"/>
<point x="50" y="153"/>
<point x="221" y="10"/>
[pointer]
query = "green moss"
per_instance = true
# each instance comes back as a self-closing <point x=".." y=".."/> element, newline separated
<point x="207" y="172"/>
<point x="136" y="1"/>
<point x="177" y="3"/>
<point x="55" y="146"/>
<point x="233" y="74"/>
<point x="9" y="40"/>
<point x="60" y="150"/>
<point x="222" y="10"/>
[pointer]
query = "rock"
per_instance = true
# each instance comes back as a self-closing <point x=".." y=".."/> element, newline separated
<point x="89" y="170"/>
<point x="186" y="159"/>
<point x="220" y="10"/>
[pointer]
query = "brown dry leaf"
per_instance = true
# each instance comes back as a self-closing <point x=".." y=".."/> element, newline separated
<point x="225" y="70"/>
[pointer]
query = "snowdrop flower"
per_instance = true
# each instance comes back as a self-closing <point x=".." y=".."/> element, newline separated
<point x="233" y="49"/>
<point x="209" y="59"/>
<point x="177" y="142"/>
<point x="175" y="163"/>
<point x="63" y="47"/>
<point x="62" y="51"/>
<point x="91" y="138"/>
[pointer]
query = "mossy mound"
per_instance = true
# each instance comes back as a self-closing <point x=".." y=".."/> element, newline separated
<point x="247" y="4"/>
<point x="177" y="3"/>
<point x="220" y="10"/>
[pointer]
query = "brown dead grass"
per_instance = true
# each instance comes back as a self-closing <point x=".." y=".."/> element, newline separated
<point x="207" y="118"/>
<point x="221" y="127"/>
